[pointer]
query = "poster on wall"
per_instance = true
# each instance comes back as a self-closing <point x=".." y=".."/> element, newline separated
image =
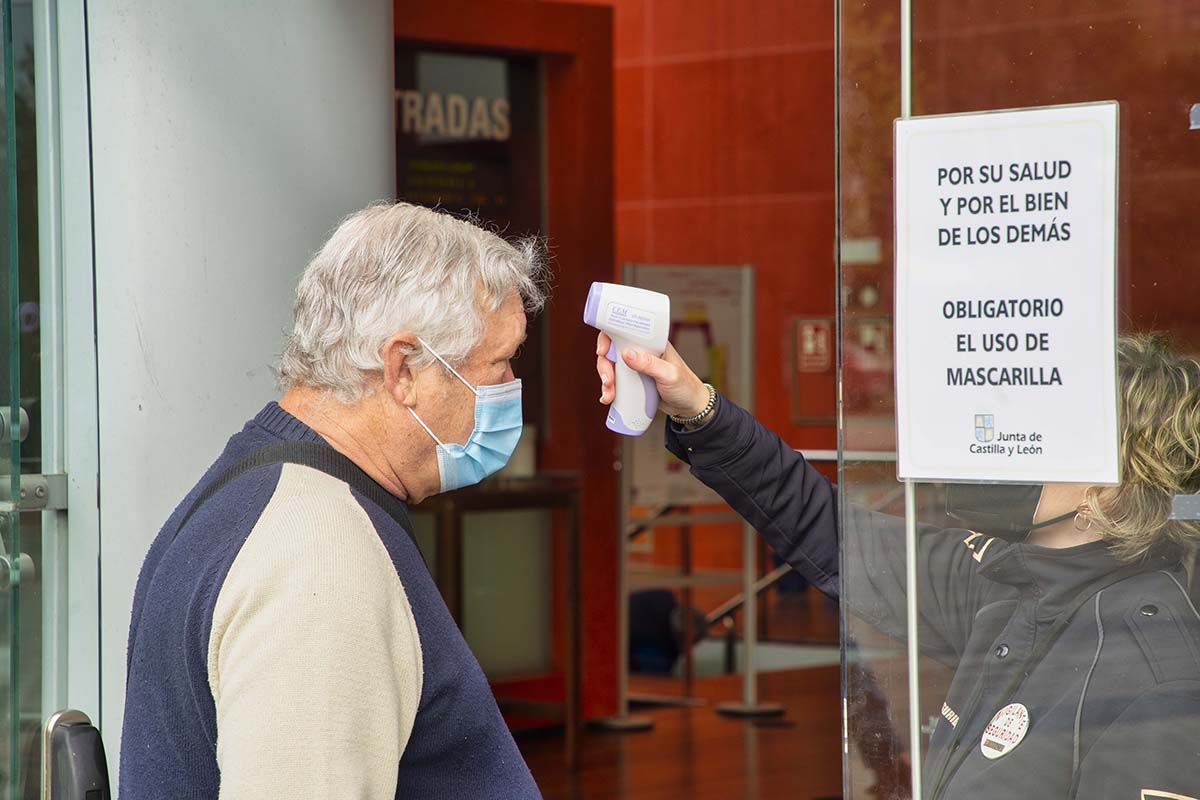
<point x="1005" y="319"/>
<point x="712" y="327"/>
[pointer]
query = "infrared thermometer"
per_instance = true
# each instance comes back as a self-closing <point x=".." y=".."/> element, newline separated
<point x="635" y="319"/>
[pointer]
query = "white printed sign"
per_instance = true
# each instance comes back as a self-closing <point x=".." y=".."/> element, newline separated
<point x="1005" y="283"/>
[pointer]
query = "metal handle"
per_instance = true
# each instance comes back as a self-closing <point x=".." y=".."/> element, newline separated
<point x="74" y="766"/>
<point x="38" y="493"/>
<point x="26" y="572"/>
<point x="5" y="421"/>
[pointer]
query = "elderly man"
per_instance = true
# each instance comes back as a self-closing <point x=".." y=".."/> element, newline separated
<point x="287" y="640"/>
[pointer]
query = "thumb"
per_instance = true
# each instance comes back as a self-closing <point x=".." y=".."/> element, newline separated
<point x="650" y="365"/>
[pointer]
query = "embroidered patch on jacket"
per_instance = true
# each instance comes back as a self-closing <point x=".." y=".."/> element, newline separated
<point x="970" y="543"/>
<point x="950" y="716"/>
<point x="1159" y="794"/>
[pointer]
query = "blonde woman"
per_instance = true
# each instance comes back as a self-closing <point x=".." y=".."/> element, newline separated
<point x="1064" y="609"/>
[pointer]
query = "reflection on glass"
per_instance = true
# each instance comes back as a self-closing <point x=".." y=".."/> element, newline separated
<point x="1050" y="610"/>
<point x="20" y="614"/>
<point x="1062" y="620"/>
<point x="1105" y="723"/>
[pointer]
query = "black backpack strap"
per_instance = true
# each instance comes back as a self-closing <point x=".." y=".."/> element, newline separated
<point x="318" y="456"/>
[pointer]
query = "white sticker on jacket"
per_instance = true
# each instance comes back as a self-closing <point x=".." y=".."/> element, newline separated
<point x="1005" y="731"/>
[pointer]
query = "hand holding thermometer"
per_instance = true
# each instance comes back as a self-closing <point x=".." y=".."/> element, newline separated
<point x="636" y="319"/>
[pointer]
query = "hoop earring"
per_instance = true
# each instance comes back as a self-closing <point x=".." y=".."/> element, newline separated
<point x="1084" y="514"/>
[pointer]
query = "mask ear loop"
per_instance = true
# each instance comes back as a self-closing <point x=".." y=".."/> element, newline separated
<point x="446" y="364"/>
<point x="421" y="422"/>
<point x="1055" y="521"/>
<point x="454" y="372"/>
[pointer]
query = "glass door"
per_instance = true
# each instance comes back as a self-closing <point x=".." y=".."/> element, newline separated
<point x="946" y="690"/>
<point x="24" y="491"/>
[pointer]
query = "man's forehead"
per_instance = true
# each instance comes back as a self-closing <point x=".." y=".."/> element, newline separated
<point x="508" y="324"/>
<point x="515" y="327"/>
<point x="513" y="309"/>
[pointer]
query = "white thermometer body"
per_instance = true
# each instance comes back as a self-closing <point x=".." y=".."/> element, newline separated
<point x="635" y="319"/>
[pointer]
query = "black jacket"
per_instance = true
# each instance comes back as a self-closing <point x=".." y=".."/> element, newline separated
<point x="1113" y="703"/>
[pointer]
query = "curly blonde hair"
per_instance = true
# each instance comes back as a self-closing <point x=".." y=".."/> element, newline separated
<point x="1160" y="452"/>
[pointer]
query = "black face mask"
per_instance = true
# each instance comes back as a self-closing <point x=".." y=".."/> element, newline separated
<point x="1002" y="510"/>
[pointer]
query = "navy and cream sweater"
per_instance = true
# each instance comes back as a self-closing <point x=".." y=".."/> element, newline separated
<point x="290" y="642"/>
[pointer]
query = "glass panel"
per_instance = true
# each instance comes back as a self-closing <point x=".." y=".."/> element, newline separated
<point x="20" y="615"/>
<point x="1074" y="713"/>
<point x="876" y="673"/>
<point x="10" y="521"/>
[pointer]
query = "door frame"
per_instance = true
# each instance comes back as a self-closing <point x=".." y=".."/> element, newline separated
<point x="70" y="574"/>
<point x="574" y="45"/>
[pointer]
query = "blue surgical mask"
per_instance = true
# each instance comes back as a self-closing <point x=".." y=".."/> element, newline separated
<point x="492" y="440"/>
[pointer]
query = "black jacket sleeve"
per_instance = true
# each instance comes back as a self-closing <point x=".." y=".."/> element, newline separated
<point x="1151" y="752"/>
<point x="795" y="508"/>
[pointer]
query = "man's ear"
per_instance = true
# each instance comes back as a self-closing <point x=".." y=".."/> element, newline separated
<point x="399" y="380"/>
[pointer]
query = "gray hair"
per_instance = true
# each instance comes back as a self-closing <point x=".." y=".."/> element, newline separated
<point x="395" y="267"/>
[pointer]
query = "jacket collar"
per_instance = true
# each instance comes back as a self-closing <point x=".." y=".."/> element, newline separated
<point x="283" y="425"/>
<point x="1055" y="575"/>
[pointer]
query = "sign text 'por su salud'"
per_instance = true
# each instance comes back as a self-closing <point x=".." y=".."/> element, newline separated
<point x="1005" y="190"/>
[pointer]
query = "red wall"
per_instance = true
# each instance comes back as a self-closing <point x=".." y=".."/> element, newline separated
<point x="724" y="155"/>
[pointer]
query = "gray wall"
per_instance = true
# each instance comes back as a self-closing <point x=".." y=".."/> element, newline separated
<point x="228" y="138"/>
